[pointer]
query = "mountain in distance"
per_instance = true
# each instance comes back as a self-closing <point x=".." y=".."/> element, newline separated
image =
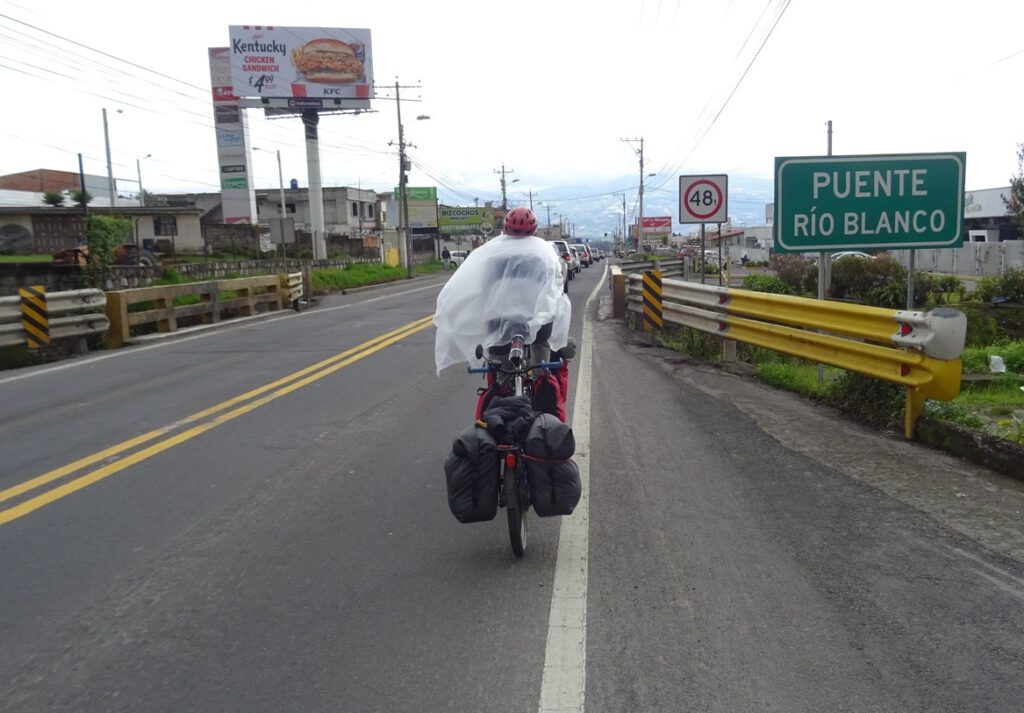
<point x="595" y="208"/>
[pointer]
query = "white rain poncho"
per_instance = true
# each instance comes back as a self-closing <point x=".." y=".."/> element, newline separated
<point x="507" y="280"/>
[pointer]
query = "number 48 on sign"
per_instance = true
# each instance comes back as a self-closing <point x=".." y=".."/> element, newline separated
<point x="704" y="199"/>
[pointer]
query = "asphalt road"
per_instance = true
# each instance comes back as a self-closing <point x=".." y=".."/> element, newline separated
<point x="291" y="549"/>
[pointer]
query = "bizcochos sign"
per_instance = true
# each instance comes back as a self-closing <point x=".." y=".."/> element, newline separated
<point x="895" y="201"/>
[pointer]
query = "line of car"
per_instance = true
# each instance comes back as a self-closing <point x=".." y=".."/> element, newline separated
<point x="574" y="257"/>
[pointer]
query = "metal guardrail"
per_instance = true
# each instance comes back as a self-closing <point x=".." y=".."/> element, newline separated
<point x="292" y="284"/>
<point x="72" y="314"/>
<point x="271" y="291"/>
<point x="918" y="350"/>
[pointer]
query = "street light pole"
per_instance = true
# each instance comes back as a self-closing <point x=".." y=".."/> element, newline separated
<point x="138" y="170"/>
<point x="110" y="165"/>
<point x="280" y="178"/>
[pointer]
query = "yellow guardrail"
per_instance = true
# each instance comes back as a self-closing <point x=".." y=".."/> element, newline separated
<point x="918" y="350"/>
<point x="250" y="295"/>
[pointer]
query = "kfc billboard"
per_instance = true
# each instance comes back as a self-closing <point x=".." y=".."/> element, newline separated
<point x="659" y="225"/>
<point x="290" y="62"/>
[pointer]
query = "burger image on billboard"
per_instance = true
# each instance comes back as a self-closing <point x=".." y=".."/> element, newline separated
<point x="327" y="61"/>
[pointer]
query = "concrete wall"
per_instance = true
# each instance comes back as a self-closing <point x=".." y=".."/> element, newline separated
<point x="972" y="259"/>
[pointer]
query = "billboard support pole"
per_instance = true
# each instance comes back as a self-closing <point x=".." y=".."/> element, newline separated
<point x="310" y="119"/>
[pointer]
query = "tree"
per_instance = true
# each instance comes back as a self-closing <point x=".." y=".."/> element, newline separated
<point x="104" y="233"/>
<point x="1015" y="203"/>
<point x="54" y="198"/>
<point x="81" y="197"/>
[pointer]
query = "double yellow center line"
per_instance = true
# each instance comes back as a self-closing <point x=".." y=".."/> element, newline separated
<point x="204" y="421"/>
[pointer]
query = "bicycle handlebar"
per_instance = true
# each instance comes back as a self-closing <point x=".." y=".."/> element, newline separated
<point x="554" y="365"/>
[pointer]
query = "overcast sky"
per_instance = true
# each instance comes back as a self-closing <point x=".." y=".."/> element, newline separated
<point x="549" y="89"/>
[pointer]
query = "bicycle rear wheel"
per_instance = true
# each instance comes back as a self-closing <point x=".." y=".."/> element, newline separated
<point x="516" y="511"/>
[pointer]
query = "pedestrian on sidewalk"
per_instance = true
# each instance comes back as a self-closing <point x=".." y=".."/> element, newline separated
<point x="446" y="258"/>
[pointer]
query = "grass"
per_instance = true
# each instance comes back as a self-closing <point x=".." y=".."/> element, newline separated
<point x="801" y="378"/>
<point x="334" y="280"/>
<point x="25" y="258"/>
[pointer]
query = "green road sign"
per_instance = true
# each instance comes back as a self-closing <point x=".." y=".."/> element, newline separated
<point x="890" y="201"/>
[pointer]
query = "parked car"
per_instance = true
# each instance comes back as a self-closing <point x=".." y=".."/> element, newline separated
<point x="565" y="253"/>
<point x="850" y="253"/>
<point x="457" y="256"/>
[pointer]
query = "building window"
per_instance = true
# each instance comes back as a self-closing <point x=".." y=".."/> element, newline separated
<point x="355" y="210"/>
<point x="165" y="225"/>
<point x="369" y="210"/>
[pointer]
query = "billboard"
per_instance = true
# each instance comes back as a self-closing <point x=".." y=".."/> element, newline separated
<point x="658" y="225"/>
<point x="466" y="220"/>
<point x="297" y="62"/>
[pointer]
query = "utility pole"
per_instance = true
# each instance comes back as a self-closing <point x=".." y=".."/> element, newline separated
<point x="549" y="215"/>
<point x="640" y="215"/>
<point x="403" y="193"/>
<point x="110" y="165"/>
<point x="504" y="198"/>
<point x="530" y="193"/>
<point x="625" y="236"/>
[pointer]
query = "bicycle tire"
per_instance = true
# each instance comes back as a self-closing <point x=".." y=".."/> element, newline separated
<point x="517" y="529"/>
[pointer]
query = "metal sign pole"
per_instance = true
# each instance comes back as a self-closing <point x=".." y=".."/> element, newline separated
<point x="703" y="267"/>
<point x="719" y="226"/>
<point x="910" y="281"/>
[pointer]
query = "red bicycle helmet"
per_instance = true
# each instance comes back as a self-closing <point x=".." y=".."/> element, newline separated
<point x="520" y="222"/>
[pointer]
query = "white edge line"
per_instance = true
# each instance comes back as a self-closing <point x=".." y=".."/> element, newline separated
<point x="181" y="340"/>
<point x="563" y="687"/>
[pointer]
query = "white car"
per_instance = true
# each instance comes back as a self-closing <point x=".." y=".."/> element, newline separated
<point x="565" y="253"/>
<point x="456" y="257"/>
<point x="850" y="253"/>
<point x="562" y="265"/>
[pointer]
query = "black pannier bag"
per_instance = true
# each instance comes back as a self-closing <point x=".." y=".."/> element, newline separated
<point x="554" y="479"/>
<point x="471" y="471"/>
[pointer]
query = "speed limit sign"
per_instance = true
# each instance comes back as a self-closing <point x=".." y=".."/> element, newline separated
<point x="704" y="199"/>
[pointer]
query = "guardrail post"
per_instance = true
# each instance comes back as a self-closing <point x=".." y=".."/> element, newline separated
<point x="728" y="350"/>
<point x="651" y="296"/>
<point x="117" y="314"/>
<point x="618" y="294"/>
<point x="35" y="319"/>
<point x="912" y="410"/>
<point x="211" y="297"/>
<point x="250" y="305"/>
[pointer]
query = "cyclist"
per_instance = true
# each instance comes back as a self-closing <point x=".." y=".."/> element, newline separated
<point x="513" y="280"/>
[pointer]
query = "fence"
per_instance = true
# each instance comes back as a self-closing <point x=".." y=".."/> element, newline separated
<point x="252" y="294"/>
<point x="71" y="314"/>
<point x="918" y="350"/>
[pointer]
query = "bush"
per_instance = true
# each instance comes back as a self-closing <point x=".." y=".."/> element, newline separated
<point x="953" y="412"/>
<point x="761" y="282"/>
<point x="874" y="282"/>
<point x="975" y="359"/>
<point x="878" y="403"/>
<point x="800" y="274"/>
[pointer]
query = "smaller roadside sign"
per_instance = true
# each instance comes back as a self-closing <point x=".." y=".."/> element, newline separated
<point x="704" y="199"/>
<point x="658" y="225"/>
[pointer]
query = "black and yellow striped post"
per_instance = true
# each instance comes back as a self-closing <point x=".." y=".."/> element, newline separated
<point x="652" y="300"/>
<point x="35" y="319"/>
